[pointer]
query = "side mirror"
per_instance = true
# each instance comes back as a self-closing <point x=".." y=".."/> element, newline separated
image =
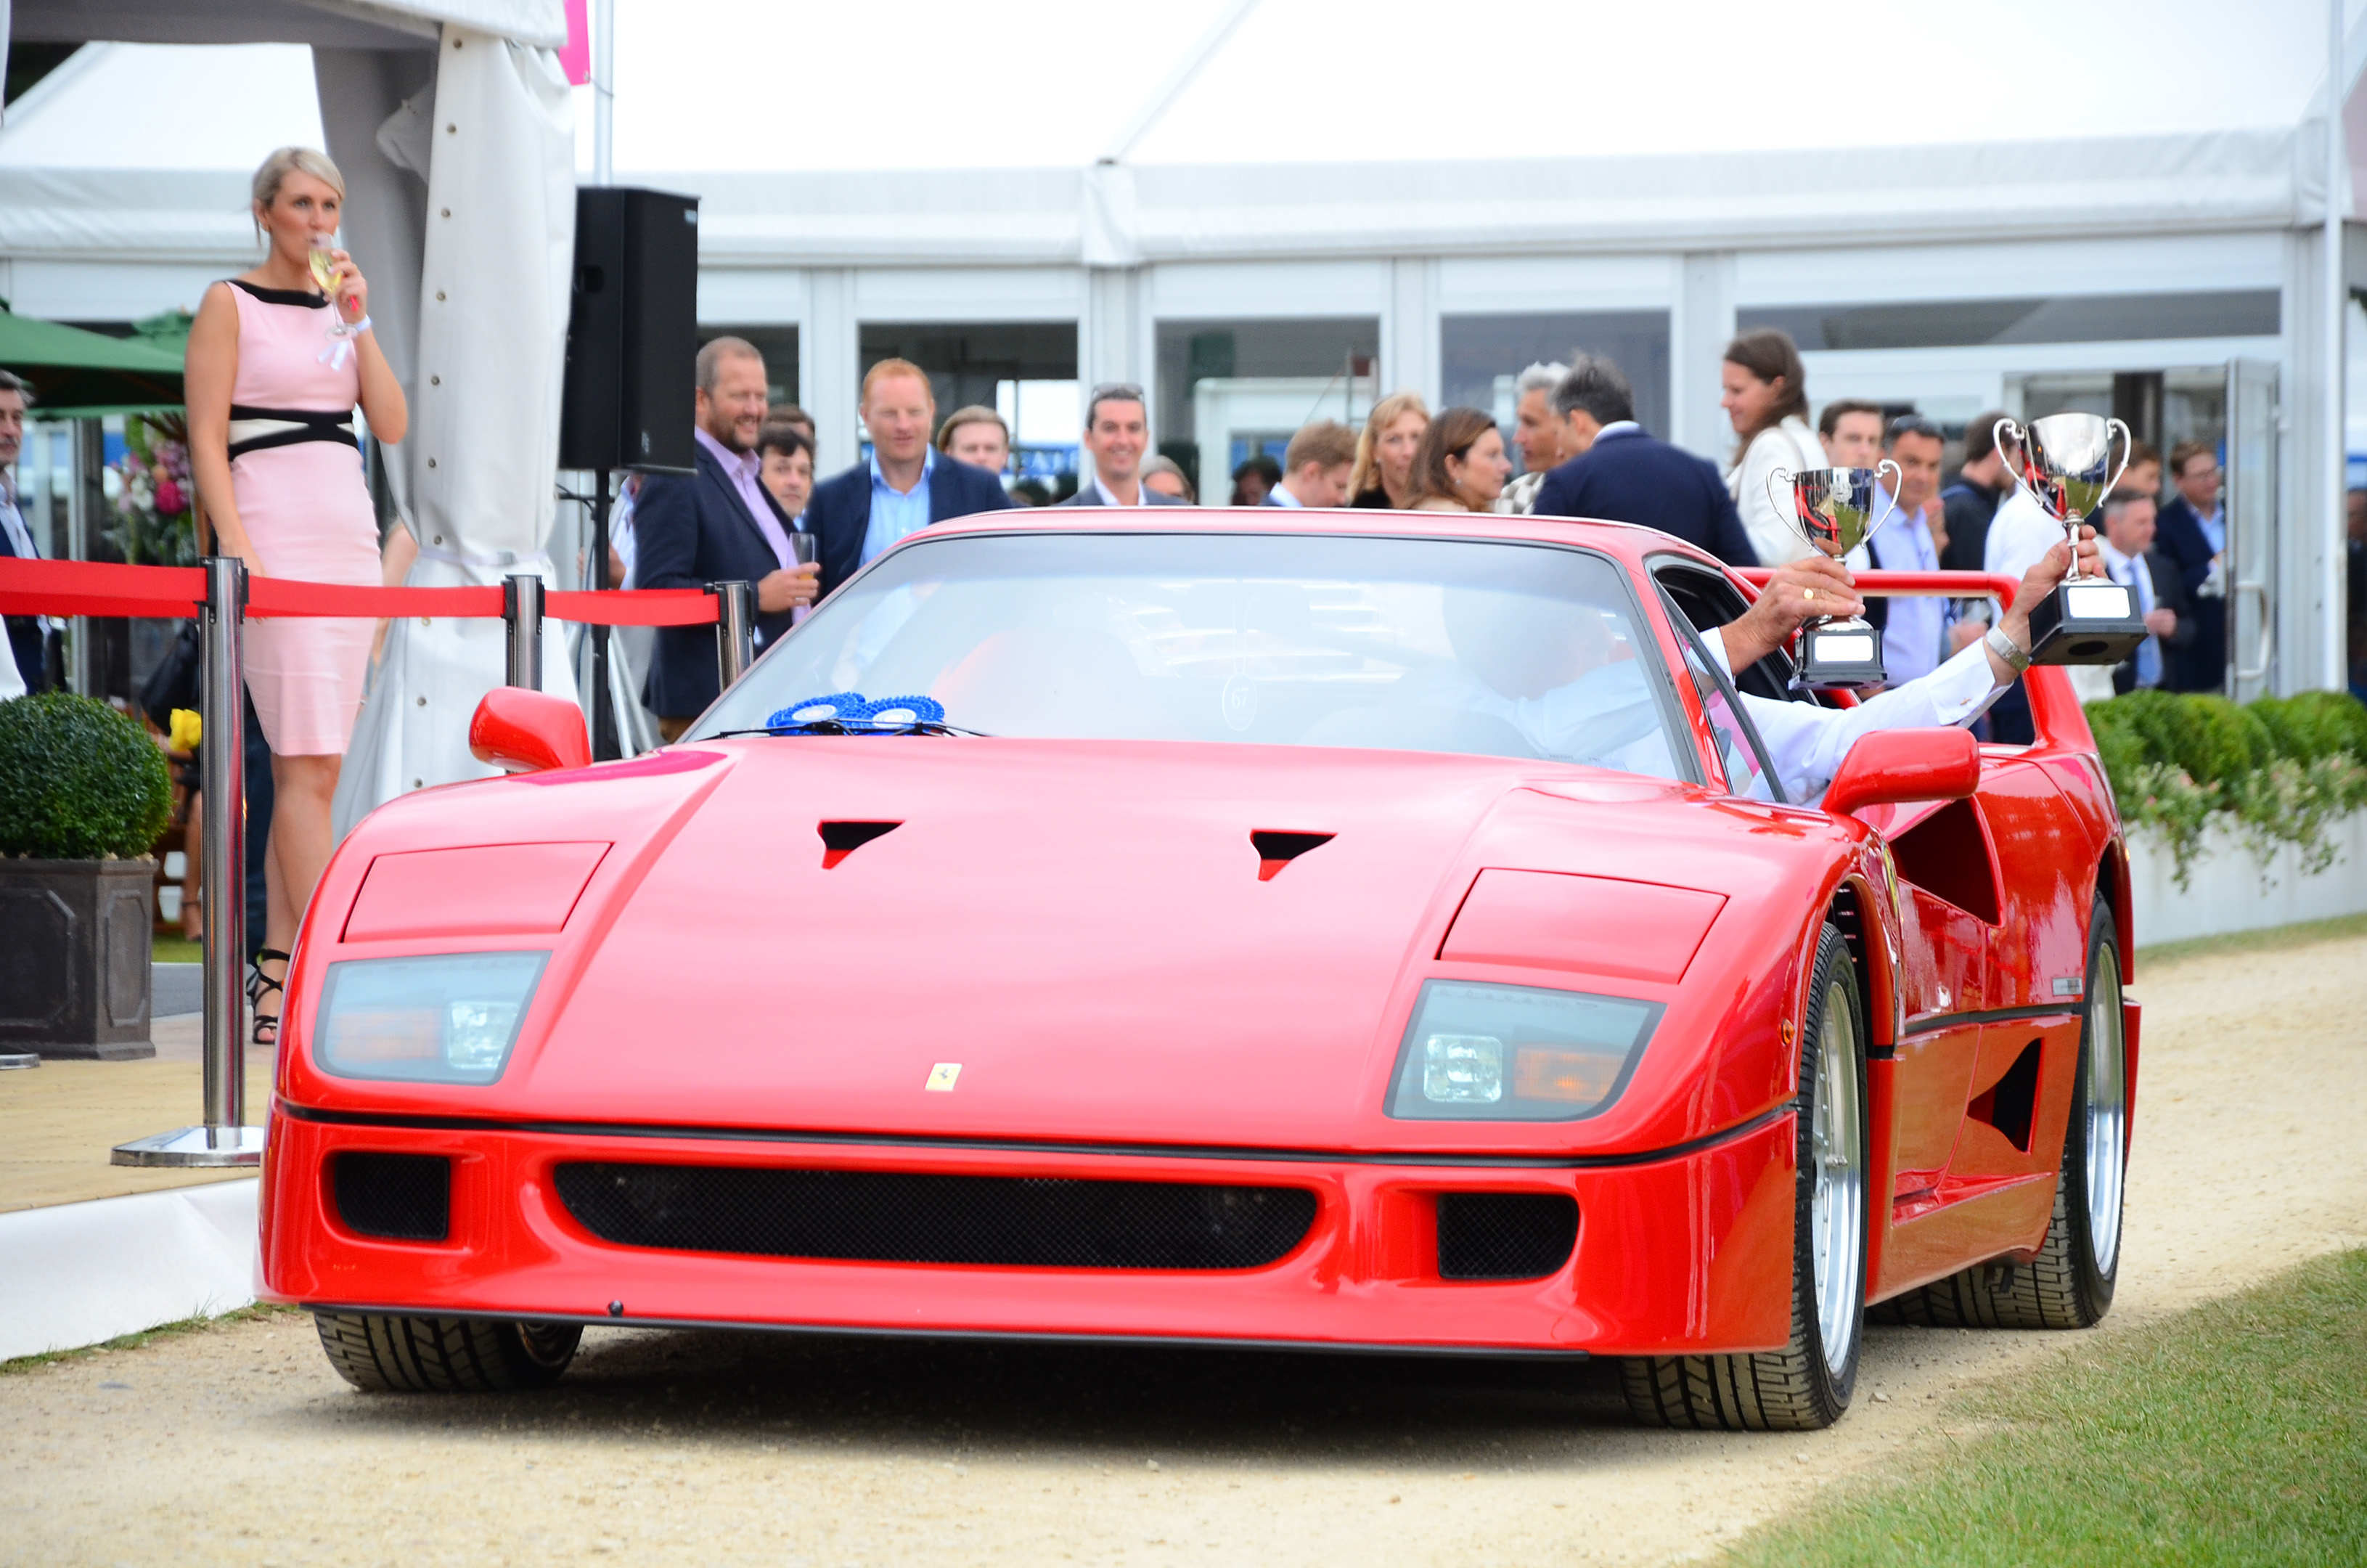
<point x="520" y="731"/>
<point x="1892" y="766"/>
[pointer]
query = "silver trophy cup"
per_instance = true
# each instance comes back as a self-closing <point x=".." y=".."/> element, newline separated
<point x="1834" y="509"/>
<point x="2064" y="462"/>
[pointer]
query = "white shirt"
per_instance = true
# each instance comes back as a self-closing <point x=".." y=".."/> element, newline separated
<point x="1791" y="446"/>
<point x="1280" y="496"/>
<point x="2020" y="535"/>
<point x="1806" y="743"/>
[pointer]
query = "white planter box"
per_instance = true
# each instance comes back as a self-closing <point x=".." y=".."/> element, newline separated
<point x="2227" y="890"/>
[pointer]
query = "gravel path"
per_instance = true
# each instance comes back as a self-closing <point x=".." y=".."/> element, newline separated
<point x="238" y="1445"/>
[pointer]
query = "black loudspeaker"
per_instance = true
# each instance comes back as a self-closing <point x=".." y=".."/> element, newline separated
<point x="632" y="333"/>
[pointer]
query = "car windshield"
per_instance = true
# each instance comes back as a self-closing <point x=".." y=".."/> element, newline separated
<point x="1411" y="645"/>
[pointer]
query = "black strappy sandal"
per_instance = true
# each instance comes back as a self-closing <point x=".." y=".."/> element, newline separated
<point x="259" y="986"/>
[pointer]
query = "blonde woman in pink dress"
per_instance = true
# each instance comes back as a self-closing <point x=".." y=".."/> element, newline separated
<point x="277" y="362"/>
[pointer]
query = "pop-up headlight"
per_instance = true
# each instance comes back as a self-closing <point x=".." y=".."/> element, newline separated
<point x="450" y="1018"/>
<point x="1516" y="1052"/>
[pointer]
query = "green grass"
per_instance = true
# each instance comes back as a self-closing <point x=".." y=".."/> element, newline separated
<point x="2252" y="941"/>
<point x="178" y="950"/>
<point x="134" y="1341"/>
<point x="2233" y="1434"/>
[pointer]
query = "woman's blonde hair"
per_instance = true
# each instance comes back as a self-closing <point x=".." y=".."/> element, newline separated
<point x="294" y="160"/>
<point x="1385" y="413"/>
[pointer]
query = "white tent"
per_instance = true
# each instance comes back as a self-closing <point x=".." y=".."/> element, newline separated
<point x="1268" y="158"/>
<point x="452" y="121"/>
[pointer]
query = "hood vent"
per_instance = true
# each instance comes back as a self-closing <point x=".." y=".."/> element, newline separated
<point x="1276" y="850"/>
<point x="840" y="839"/>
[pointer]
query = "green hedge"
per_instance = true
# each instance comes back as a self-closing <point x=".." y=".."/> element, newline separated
<point x="78" y="781"/>
<point x="2282" y="767"/>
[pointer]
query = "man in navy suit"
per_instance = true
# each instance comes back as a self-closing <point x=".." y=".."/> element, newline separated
<point x="2193" y="532"/>
<point x="1117" y="432"/>
<point x="1623" y="475"/>
<point x="26" y="639"/>
<point x="904" y="488"/>
<point x="719" y="524"/>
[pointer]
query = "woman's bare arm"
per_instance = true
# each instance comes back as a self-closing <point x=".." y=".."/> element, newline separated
<point x="210" y="371"/>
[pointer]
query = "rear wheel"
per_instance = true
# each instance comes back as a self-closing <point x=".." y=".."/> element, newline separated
<point x="2070" y="1283"/>
<point x="397" y="1354"/>
<point x="1807" y="1384"/>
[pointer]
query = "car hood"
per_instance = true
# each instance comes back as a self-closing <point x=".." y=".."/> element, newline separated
<point x="1072" y="941"/>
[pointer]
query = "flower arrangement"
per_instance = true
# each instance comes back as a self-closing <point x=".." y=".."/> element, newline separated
<point x="153" y="496"/>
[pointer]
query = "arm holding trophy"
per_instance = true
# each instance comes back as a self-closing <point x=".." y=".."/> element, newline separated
<point x="1806" y="743"/>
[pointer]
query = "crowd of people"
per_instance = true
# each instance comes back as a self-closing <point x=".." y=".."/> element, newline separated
<point x="754" y="509"/>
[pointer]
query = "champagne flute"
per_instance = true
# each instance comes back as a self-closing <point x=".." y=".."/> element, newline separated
<point x="326" y="275"/>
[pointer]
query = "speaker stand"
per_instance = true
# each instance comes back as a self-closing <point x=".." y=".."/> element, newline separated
<point x="604" y="701"/>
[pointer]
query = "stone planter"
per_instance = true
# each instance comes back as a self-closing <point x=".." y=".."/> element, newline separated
<point x="2227" y="890"/>
<point x="76" y="941"/>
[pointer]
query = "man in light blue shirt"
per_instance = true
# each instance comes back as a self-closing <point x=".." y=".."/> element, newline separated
<point x="1914" y="638"/>
<point x="897" y="414"/>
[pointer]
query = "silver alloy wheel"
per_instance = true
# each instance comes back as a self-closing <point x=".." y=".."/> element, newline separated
<point x="1837" y="1204"/>
<point x="2107" y="1110"/>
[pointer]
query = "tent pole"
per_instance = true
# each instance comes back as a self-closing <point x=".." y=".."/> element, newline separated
<point x="603" y="90"/>
<point x="2337" y="434"/>
<point x="604" y="701"/>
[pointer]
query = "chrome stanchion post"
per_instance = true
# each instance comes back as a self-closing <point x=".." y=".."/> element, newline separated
<point x="522" y="609"/>
<point x="735" y="628"/>
<point x="223" y="1139"/>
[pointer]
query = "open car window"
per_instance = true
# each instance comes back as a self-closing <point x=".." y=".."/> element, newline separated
<point x="1707" y="600"/>
<point x="1503" y="649"/>
<point x="1740" y="752"/>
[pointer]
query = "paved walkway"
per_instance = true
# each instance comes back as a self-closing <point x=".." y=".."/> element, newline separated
<point x="62" y="1117"/>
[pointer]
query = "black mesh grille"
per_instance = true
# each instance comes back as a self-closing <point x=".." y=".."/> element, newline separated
<point x="893" y="1217"/>
<point x="405" y="1198"/>
<point x="1505" y="1236"/>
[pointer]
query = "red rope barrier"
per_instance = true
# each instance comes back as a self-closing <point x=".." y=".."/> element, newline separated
<point x="1953" y="585"/>
<point x="98" y="587"/>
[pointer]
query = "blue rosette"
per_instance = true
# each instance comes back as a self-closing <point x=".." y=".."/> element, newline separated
<point x="905" y="711"/>
<point x="838" y="707"/>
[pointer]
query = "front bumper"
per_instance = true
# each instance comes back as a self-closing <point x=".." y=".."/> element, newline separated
<point x="1684" y="1253"/>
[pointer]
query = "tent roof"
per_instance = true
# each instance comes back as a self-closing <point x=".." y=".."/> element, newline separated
<point x="338" y="24"/>
<point x="74" y="371"/>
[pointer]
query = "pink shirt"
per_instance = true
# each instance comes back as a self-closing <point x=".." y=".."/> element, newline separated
<point x="742" y="468"/>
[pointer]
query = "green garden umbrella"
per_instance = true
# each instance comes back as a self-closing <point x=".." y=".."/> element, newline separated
<point x="82" y="375"/>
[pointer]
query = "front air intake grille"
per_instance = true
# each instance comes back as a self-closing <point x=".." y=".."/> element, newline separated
<point x="1505" y="1236"/>
<point x="403" y="1198"/>
<point x="893" y="1217"/>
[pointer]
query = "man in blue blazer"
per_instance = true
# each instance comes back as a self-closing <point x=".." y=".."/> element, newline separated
<point x="1117" y="432"/>
<point x="2193" y="532"/>
<point x="718" y="525"/>
<point x="1624" y="475"/>
<point x="905" y="486"/>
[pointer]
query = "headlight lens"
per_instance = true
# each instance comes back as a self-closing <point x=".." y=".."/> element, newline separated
<point x="450" y="1019"/>
<point x="1516" y="1052"/>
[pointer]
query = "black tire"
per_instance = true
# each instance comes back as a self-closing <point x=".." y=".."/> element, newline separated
<point x="393" y="1355"/>
<point x="2070" y="1284"/>
<point x="1800" y="1388"/>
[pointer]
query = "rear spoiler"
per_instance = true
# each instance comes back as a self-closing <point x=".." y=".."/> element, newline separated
<point x="2055" y="711"/>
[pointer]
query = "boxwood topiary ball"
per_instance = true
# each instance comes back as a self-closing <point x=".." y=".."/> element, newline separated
<point x="78" y="781"/>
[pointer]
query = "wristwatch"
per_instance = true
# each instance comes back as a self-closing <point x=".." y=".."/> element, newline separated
<point x="2016" y="657"/>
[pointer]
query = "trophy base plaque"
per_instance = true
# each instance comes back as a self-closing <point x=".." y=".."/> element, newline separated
<point x="1839" y="656"/>
<point x="2086" y="623"/>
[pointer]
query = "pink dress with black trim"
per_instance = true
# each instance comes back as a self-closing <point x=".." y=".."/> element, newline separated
<point x="296" y="473"/>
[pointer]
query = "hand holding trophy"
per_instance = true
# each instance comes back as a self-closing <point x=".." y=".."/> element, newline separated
<point x="1834" y="509"/>
<point x="2062" y="460"/>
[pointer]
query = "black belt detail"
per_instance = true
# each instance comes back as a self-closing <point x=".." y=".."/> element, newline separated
<point x="311" y="425"/>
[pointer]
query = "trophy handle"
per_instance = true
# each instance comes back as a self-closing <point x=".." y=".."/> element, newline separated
<point x="1997" y="434"/>
<point x="2128" y="450"/>
<point x="1782" y="477"/>
<point x="1898" y="480"/>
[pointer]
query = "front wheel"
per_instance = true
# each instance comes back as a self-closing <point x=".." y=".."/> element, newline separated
<point x="399" y="1355"/>
<point x="1807" y="1384"/>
